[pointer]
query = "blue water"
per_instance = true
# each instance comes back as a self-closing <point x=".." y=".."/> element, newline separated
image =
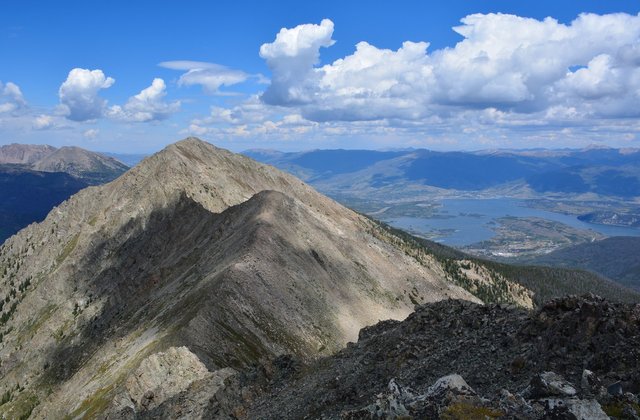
<point x="471" y="219"/>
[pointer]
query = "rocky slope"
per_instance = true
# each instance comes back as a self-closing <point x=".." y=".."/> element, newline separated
<point x="90" y="167"/>
<point x="194" y="247"/>
<point x="575" y="358"/>
<point x="524" y="285"/>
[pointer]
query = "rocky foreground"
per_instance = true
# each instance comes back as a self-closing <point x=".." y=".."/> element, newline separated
<point x="575" y="358"/>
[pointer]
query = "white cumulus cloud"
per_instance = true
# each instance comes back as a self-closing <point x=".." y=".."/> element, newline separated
<point x="148" y="105"/>
<point x="291" y="58"/>
<point x="520" y="66"/>
<point x="251" y="119"/>
<point x="43" y="122"/>
<point x="79" y="94"/>
<point x="11" y="97"/>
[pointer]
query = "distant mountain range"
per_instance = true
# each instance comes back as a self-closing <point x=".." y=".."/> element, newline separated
<point x="157" y="290"/>
<point x="90" y="167"/>
<point x="601" y="171"/>
<point x="35" y="178"/>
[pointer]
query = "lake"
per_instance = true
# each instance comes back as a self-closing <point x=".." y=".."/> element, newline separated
<point x="461" y="222"/>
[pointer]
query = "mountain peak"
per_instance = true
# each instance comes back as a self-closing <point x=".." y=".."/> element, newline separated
<point x="197" y="247"/>
<point x="81" y="163"/>
<point x="187" y="151"/>
<point x="192" y="141"/>
<point x="24" y="154"/>
<point x="192" y="144"/>
<point x="91" y="167"/>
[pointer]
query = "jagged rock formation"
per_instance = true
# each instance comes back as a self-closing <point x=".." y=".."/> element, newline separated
<point x="90" y="167"/>
<point x="165" y="375"/>
<point x="194" y="247"/>
<point x="575" y="358"/>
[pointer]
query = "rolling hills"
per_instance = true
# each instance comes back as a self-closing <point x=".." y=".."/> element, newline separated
<point x="606" y="172"/>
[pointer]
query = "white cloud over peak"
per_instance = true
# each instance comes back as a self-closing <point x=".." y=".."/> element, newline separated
<point x="79" y="94"/>
<point x="148" y="105"/>
<point x="302" y="40"/>
<point x="11" y="97"/>
<point x="291" y="58"/>
<point x="505" y="62"/>
<point x="210" y="76"/>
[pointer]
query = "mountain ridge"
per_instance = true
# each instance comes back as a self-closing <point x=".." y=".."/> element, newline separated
<point x="24" y="154"/>
<point x="188" y="232"/>
<point x="28" y="195"/>
<point x="35" y="178"/>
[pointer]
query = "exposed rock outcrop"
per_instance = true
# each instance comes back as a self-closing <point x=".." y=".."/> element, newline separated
<point x="458" y="360"/>
<point x="166" y="374"/>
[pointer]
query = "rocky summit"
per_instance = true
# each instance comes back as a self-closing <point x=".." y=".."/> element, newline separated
<point x="575" y="358"/>
<point x="203" y="284"/>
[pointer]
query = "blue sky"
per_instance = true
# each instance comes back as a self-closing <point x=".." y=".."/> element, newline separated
<point x="134" y="76"/>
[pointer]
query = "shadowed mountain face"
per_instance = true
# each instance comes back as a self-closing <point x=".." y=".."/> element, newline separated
<point x="193" y="247"/>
